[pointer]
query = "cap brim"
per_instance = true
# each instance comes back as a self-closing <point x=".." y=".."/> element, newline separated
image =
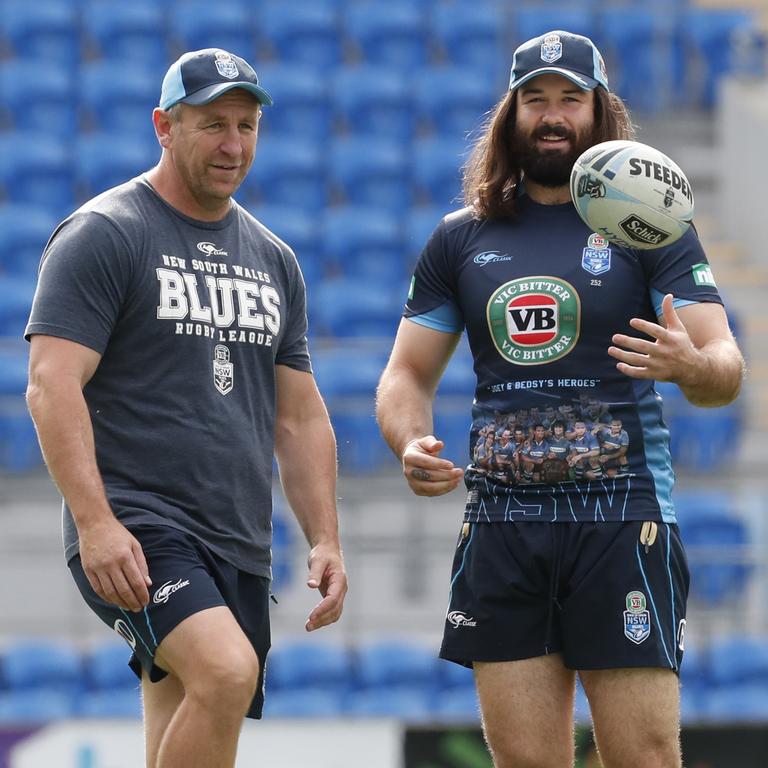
<point x="205" y="95"/>
<point x="584" y="82"/>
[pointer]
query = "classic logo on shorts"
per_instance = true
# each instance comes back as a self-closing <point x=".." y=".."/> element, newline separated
<point x="637" y="619"/>
<point x="163" y="594"/>
<point x="596" y="257"/>
<point x="534" y="320"/>
<point x="223" y="370"/>
<point x="226" y="65"/>
<point x="460" y="619"/>
<point x="125" y="632"/>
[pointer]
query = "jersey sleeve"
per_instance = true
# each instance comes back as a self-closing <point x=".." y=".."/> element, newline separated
<point x="293" y="350"/>
<point x="432" y="296"/>
<point x="681" y="269"/>
<point x="84" y="276"/>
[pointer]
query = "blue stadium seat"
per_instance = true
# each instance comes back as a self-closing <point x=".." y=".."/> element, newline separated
<point x="116" y="703"/>
<point x="388" y="34"/>
<point x="196" y="24"/>
<point x="739" y="659"/>
<point x="104" y="160"/>
<point x="457" y="705"/>
<point x="36" y="707"/>
<point x="309" y="664"/>
<point x="354" y="307"/>
<point x="304" y="34"/>
<point x="16" y="292"/>
<point x="133" y="31"/>
<point x="420" y="223"/>
<point x="299" y="230"/>
<point x="363" y="242"/>
<point x="43" y="31"/>
<point x="41" y="663"/>
<point x="345" y="373"/>
<point x="404" y="702"/>
<point x="718" y="556"/>
<point x="533" y="20"/>
<point x="106" y="667"/>
<point x="437" y="167"/>
<point x="714" y="38"/>
<point x="637" y="43"/>
<point x="743" y="703"/>
<point x="288" y="170"/>
<point x="303" y="703"/>
<point x="302" y="105"/>
<point x="282" y="551"/>
<point x="118" y="96"/>
<point x="452" y="676"/>
<point x="370" y="100"/>
<point x="46" y="102"/>
<point x="389" y="663"/>
<point x="370" y="170"/>
<point x="453" y="100"/>
<point x="37" y="169"/>
<point x="470" y="35"/>
<point x="452" y="422"/>
<point x="24" y="231"/>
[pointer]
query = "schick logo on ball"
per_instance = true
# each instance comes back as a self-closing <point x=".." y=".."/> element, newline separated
<point x="641" y="231"/>
<point x="534" y="320"/>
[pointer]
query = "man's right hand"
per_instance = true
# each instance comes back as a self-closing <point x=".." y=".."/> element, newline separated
<point x="114" y="563"/>
<point x="427" y="474"/>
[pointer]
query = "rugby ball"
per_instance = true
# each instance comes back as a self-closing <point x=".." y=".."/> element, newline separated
<point x="632" y="194"/>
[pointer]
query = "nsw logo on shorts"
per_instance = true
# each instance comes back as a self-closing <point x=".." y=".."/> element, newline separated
<point x="460" y="619"/>
<point x="163" y="594"/>
<point x="637" y="619"/>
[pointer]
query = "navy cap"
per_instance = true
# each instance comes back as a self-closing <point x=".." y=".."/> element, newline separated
<point x="198" y="77"/>
<point x="559" y="53"/>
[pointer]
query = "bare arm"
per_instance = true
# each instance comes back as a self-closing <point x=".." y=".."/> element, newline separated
<point x="302" y="425"/>
<point x="112" y="558"/>
<point x="404" y="407"/>
<point x="693" y="348"/>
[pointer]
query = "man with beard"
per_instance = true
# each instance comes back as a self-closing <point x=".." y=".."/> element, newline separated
<point x="566" y="581"/>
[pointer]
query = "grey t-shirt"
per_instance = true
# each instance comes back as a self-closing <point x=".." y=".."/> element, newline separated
<point x="190" y="318"/>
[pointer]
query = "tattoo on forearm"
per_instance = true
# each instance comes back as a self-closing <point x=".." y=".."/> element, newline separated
<point x="420" y="474"/>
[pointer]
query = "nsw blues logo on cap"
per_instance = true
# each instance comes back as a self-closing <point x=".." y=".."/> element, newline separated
<point x="561" y="53"/>
<point x="226" y="65"/>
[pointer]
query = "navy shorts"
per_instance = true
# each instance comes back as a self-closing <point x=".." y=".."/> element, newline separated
<point x="186" y="578"/>
<point x="605" y="595"/>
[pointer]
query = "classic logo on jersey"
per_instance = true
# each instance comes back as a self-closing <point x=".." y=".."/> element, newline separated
<point x="534" y="320"/>
<point x="551" y="49"/>
<point x="488" y="257"/>
<point x="641" y="231"/>
<point x="460" y="619"/>
<point x="209" y="249"/>
<point x="223" y="370"/>
<point x="125" y="632"/>
<point x="637" y="619"/>
<point x="225" y="65"/>
<point x="596" y="257"/>
<point x="163" y="594"/>
<point x="702" y="275"/>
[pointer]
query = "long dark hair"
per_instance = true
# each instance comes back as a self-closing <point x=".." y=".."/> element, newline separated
<point x="492" y="171"/>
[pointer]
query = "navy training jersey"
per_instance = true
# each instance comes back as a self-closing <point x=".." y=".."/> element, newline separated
<point x="540" y="297"/>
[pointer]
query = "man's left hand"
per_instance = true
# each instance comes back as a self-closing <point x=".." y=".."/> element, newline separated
<point x="326" y="574"/>
<point x="668" y="357"/>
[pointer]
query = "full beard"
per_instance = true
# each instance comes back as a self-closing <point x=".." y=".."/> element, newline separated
<point x="551" y="168"/>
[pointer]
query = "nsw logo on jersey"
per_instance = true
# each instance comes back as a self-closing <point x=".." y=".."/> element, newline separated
<point x="534" y="320"/>
<point x="223" y="370"/>
<point x="596" y="257"/>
